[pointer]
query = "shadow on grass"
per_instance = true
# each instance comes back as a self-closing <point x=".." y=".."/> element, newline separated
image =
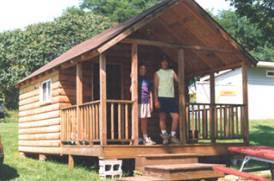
<point x="263" y="135"/>
<point x="8" y="173"/>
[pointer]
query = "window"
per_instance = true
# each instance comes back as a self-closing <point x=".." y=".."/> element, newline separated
<point x="270" y="73"/>
<point x="46" y="91"/>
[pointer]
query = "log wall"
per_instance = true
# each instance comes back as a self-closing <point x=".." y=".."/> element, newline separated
<point x="39" y="123"/>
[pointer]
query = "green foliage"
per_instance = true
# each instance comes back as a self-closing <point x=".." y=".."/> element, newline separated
<point x="259" y="12"/>
<point x="250" y="35"/>
<point x="117" y="10"/>
<point x="23" y="51"/>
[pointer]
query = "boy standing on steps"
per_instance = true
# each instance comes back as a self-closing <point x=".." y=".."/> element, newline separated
<point x="145" y="103"/>
<point x="165" y="100"/>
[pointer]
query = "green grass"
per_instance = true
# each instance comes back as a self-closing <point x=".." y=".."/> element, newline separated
<point x="262" y="132"/>
<point x="16" y="168"/>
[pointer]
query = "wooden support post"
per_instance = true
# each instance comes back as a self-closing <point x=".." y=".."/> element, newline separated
<point x="103" y="100"/>
<point x="22" y="155"/>
<point x="42" y="157"/>
<point x="92" y="81"/>
<point x="79" y="99"/>
<point x="245" y="102"/>
<point x="70" y="162"/>
<point x="182" y="97"/>
<point x="212" y="108"/>
<point x="134" y="93"/>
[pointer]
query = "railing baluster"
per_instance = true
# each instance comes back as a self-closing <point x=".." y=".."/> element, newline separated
<point x="112" y="120"/>
<point x="126" y="120"/>
<point x="119" y="123"/>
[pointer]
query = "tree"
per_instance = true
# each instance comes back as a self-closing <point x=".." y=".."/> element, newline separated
<point x="117" y="10"/>
<point x="249" y="34"/>
<point x="259" y="12"/>
<point x="23" y="51"/>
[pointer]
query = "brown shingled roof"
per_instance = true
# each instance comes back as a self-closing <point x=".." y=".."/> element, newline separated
<point x="98" y="40"/>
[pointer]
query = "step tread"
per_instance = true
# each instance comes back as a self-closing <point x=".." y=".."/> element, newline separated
<point x="137" y="178"/>
<point x="171" y="155"/>
<point x="181" y="167"/>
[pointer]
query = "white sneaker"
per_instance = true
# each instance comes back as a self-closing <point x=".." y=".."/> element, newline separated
<point x="148" y="141"/>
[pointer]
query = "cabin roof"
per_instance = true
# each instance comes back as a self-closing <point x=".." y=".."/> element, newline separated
<point x="105" y="37"/>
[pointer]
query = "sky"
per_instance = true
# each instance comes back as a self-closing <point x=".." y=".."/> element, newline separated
<point x="20" y="13"/>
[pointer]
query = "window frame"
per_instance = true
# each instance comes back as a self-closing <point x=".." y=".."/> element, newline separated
<point x="269" y="76"/>
<point x="47" y="82"/>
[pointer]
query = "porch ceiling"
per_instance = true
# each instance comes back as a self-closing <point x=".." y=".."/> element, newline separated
<point x="182" y="24"/>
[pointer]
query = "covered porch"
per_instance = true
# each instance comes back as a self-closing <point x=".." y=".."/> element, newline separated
<point x="103" y="97"/>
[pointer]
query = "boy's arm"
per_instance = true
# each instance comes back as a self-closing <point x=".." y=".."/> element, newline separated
<point x="151" y="100"/>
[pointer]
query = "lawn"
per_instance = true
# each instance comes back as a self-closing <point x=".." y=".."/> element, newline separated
<point x="16" y="168"/>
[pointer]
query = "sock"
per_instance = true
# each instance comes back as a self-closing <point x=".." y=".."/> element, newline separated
<point x="173" y="133"/>
<point x="163" y="131"/>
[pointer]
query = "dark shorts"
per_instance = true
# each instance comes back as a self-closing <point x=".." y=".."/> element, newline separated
<point x="168" y="105"/>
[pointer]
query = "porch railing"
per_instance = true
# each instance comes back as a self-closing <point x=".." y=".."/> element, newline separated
<point x="119" y="120"/>
<point x="81" y="125"/>
<point x="228" y="121"/>
<point x="85" y="129"/>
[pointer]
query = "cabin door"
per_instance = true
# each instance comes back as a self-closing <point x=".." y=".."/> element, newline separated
<point x="114" y="82"/>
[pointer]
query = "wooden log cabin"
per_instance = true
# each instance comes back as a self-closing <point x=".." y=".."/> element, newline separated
<point x="81" y="103"/>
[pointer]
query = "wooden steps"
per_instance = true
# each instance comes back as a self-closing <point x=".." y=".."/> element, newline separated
<point x="163" y="159"/>
<point x="192" y="171"/>
<point x="143" y="178"/>
<point x="173" y="167"/>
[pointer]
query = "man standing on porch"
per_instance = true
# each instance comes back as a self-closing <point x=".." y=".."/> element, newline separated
<point x="165" y="100"/>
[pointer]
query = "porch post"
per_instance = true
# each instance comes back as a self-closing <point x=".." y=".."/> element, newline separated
<point x="134" y="92"/>
<point x="103" y="99"/>
<point x="245" y="103"/>
<point x="212" y="108"/>
<point x="182" y="97"/>
<point x="79" y="98"/>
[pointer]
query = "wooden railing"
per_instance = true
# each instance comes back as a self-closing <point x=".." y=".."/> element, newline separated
<point x="80" y="124"/>
<point x="226" y="122"/>
<point x="119" y="120"/>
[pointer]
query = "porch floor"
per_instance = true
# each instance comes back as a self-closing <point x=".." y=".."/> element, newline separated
<point x="132" y="151"/>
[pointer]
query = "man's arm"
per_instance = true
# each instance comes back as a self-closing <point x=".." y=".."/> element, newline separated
<point x="156" y="87"/>
<point x="175" y="77"/>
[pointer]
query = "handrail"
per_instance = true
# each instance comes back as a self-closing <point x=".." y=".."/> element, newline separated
<point x="215" y="104"/>
<point x="98" y="101"/>
<point x="90" y="103"/>
<point x="120" y="101"/>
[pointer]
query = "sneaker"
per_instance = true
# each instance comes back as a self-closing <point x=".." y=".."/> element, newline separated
<point x="165" y="138"/>
<point x="140" y="141"/>
<point x="174" y="140"/>
<point x="148" y="141"/>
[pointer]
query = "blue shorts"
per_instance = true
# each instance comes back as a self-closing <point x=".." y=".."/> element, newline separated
<point x="168" y="105"/>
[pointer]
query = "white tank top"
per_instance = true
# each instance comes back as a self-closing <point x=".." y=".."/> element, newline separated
<point x="166" y="83"/>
